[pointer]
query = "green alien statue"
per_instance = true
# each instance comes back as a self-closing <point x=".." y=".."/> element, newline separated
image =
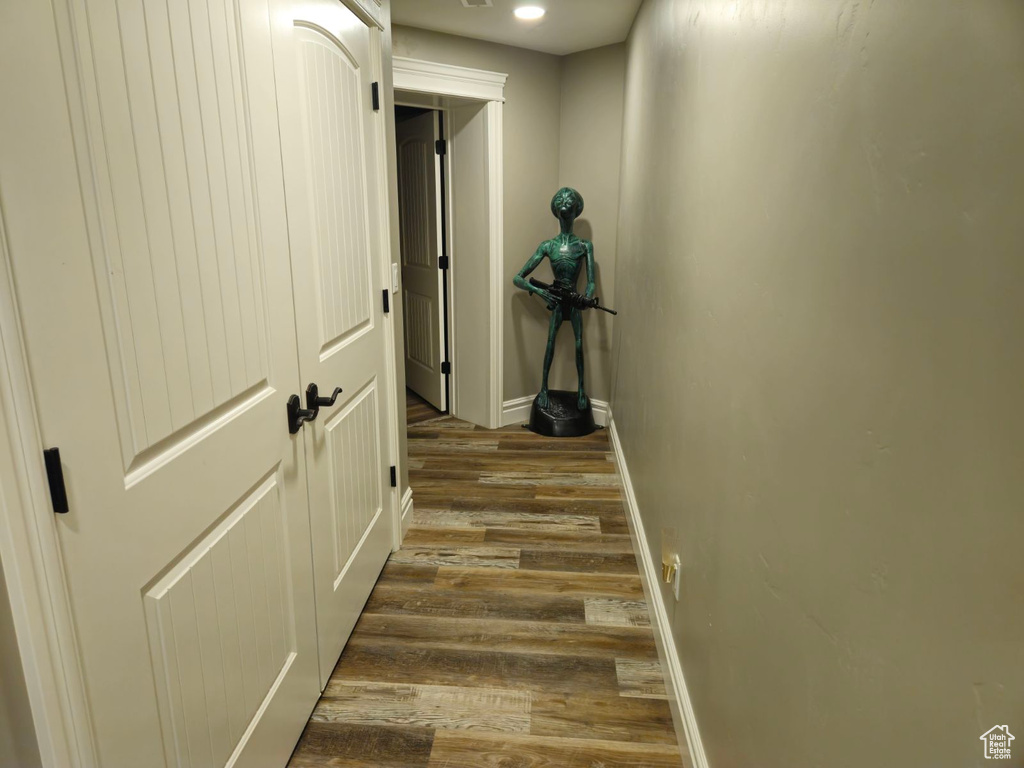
<point x="567" y="253"/>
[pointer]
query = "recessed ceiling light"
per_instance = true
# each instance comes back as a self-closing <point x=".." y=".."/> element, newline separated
<point x="529" y="12"/>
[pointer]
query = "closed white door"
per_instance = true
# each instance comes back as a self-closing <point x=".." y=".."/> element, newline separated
<point x="142" y="191"/>
<point x="419" y="192"/>
<point x="334" y="196"/>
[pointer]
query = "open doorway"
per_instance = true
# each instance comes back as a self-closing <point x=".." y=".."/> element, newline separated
<point x="467" y="108"/>
<point x="422" y="198"/>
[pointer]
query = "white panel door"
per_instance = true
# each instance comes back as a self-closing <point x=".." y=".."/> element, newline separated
<point x="333" y="186"/>
<point x="142" y="190"/>
<point x="419" y="193"/>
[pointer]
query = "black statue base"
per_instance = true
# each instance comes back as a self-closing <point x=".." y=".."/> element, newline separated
<point x="561" y="418"/>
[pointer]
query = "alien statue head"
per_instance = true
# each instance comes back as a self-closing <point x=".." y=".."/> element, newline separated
<point x="567" y="204"/>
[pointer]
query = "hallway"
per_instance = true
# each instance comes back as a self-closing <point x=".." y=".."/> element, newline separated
<point x="234" y="233"/>
<point x="511" y="627"/>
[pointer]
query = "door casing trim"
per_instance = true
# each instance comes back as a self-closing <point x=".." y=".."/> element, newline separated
<point x="443" y="82"/>
<point x="395" y="398"/>
<point x="448" y="80"/>
<point x="31" y="558"/>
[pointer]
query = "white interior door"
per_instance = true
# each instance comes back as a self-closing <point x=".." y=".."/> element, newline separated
<point x="142" y="190"/>
<point x="419" y="191"/>
<point x="334" y="187"/>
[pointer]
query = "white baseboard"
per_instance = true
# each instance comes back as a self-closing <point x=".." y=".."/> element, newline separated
<point x="406" y="511"/>
<point x="518" y="411"/>
<point x="679" y="699"/>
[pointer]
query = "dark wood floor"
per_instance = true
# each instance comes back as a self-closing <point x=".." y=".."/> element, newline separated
<point x="511" y="628"/>
<point x="417" y="409"/>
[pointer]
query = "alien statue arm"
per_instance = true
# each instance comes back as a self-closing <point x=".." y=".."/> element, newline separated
<point x="531" y="264"/>
<point x="591" y="285"/>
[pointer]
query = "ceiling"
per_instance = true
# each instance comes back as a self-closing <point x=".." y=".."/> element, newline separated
<point x="567" y="27"/>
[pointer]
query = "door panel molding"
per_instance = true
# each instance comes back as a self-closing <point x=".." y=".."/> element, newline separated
<point x="354" y="450"/>
<point x="415" y="224"/>
<point x="186" y="333"/>
<point x="331" y="74"/>
<point x="165" y="451"/>
<point x="419" y="342"/>
<point x="230" y="590"/>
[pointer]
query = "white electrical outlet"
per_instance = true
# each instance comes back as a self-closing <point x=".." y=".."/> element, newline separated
<point x="670" y="563"/>
<point x="670" y="571"/>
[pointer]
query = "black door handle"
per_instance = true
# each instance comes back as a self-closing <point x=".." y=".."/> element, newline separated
<point x="297" y="415"/>
<point x="313" y="400"/>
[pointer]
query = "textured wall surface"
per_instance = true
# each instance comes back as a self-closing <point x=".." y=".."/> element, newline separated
<point x="820" y="368"/>
<point x="538" y="87"/>
<point x="589" y="154"/>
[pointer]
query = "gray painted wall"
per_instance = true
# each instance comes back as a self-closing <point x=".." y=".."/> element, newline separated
<point x="820" y="365"/>
<point x="542" y="95"/>
<point x="593" y="88"/>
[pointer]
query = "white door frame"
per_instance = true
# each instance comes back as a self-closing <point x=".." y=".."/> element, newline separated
<point x="396" y="411"/>
<point x="444" y="82"/>
<point x="31" y="557"/>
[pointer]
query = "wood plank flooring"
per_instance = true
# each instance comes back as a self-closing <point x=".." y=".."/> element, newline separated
<point x="511" y="628"/>
<point x="417" y="409"/>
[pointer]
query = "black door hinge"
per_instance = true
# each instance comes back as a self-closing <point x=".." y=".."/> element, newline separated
<point x="446" y="367"/>
<point x="441" y="147"/>
<point x="387" y="304"/>
<point x="55" y="476"/>
<point x="375" y="95"/>
<point x="442" y="262"/>
<point x="394" y="476"/>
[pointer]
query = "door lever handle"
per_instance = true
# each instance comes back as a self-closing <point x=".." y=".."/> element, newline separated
<point x="297" y="415"/>
<point x="313" y="400"/>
